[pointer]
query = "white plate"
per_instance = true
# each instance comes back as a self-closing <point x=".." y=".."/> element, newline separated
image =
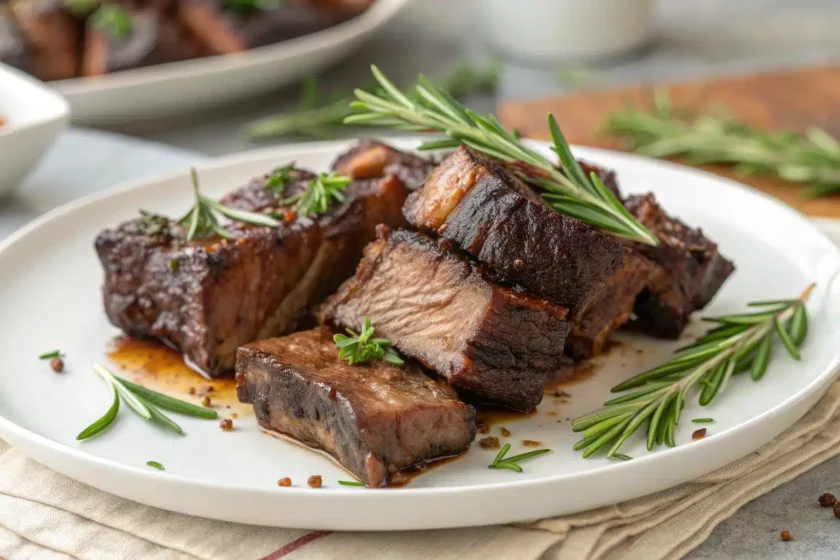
<point x="34" y="117"/>
<point x="49" y="297"/>
<point x="190" y="85"/>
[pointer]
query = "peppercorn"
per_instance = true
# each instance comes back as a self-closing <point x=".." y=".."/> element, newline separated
<point x="57" y="365"/>
<point x="314" y="481"/>
<point x="827" y="499"/>
<point x="786" y="535"/>
<point x="226" y="424"/>
<point x="284" y="481"/>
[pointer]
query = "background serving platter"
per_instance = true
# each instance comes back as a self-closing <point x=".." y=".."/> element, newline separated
<point x="49" y="297"/>
<point x="178" y="87"/>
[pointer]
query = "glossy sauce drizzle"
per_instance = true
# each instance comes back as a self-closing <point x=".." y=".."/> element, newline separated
<point x="160" y="368"/>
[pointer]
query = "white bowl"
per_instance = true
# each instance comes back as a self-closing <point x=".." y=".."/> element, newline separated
<point x="33" y="117"/>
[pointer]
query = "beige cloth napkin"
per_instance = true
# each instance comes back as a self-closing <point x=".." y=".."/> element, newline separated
<point x="45" y="515"/>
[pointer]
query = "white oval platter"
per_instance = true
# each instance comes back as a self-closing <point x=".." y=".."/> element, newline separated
<point x="50" y="298"/>
<point x="179" y="87"/>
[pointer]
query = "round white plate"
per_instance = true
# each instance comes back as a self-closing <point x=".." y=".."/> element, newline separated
<point x="49" y="298"/>
<point x="179" y="87"/>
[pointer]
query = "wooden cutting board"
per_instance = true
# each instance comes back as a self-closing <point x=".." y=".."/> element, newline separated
<point x="793" y="100"/>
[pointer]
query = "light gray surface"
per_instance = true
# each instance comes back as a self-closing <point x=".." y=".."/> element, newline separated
<point x="693" y="38"/>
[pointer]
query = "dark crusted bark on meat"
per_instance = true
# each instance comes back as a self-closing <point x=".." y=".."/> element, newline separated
<point x="210" y="296"/>
<point x="502" y="222"/>
<point x="611" y="307"/>
<point x="689" y="271"/>
<point x="371" y="158"/>
<point x="375" y="419"/>
<point x="438" y="307"/>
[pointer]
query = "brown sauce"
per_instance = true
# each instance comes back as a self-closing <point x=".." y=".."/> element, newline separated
<point x="160" y="368"/>
<point x="494" y="415"/>
<point x="570" y="373"/>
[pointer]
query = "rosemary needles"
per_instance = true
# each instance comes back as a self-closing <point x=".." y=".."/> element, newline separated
<point x="740" y="342"/>
<point x="812" y="158"/>
<point x="144" y="402"/>
<point x="567" y="188"/>
<point x="512" y="463"/>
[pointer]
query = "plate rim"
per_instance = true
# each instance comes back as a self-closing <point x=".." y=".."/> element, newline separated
<point x="326" y="495"/>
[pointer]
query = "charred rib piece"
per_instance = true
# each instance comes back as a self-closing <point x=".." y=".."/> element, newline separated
<point x="52" y="37"/>
<point x="438" y="307"/>
<point x="371" y="158"/>
<point x="503" y="223"/>
<point x="375" y="419"/>
<point x="155" y="39"/>
<point x="210" y="296"/>
<point x="223" y="30"/>
<point x="689" y="271"/>
<point x="611" y="307"/>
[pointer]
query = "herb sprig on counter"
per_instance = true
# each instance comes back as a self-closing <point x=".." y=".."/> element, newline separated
<point x="812" y="158"/>
<point x="322" y="191"/>
<point x="739" y="343"/>
<point x="566" y="188"/>
<point x="145" y="403"/>
<point x="320" y="116"/>
<point x="512" y="463"/>
<point x="203" y="219"/>
<point x="362" y="347"/>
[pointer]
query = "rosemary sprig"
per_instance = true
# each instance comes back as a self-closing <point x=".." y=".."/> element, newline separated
<point x="319" y="117"/>
<point x="114" y="20"/>
<point x="322" y="191"/>
<point x="361" y="348"/>
<point x="203" y="219"/>
<point x="567" y="189"/>
<point x="739" y="343"/>
<point x="512" y="463"/>
<point x="145" y="402"/>
<point x="812" y="158"/>
<point x="281" y="177"/>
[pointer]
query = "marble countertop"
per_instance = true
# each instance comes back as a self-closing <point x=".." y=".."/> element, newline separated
<point x="692" y="39"/>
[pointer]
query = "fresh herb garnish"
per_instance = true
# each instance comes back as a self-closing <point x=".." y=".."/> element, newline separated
<point x="145" y="402"/>
<point x="280" y="178"/>
<point x="322" y="191"/>
<point x="51" y="355"/>
<point x="203" y="219"/>
<point x="566" y="188"/>
<point x="350" y="483"/>
<point x="739" y="343"/>
<point x="105" y="422"/>
<point x="702" y="420"/>
<point x="81" y="7"/>
<point x="114" y="20"/>
<point x="812" y="158"/>
<point x="155" y="465"/>
<point x="150" y="223"/>
<point x="361" y="348"/>
<point x="512" y="463"/>
<point x="248" y="6"/>
<point x="320" y="116"/>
